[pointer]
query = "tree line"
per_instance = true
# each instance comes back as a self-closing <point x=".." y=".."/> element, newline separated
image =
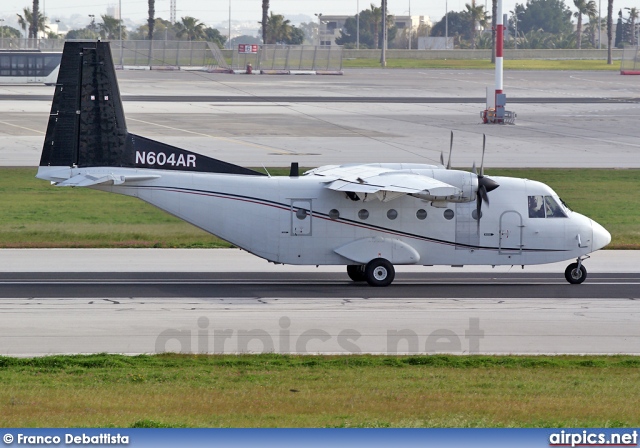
<point x="536" y="24"/>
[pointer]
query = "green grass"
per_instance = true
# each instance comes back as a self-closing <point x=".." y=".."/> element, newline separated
<point x="35" y="214"/>
<point x="319" y="391"/>
<point x="476" y="64"/>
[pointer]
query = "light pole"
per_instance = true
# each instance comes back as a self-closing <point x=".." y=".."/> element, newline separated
<point x="93" y="21"/>
<point x="319" y="16"/>
<point x="120" y="30"/>
<point x="599" y="26"/>
<point x="410" y="25"/>
<point x="229" y="40"/>
<point x="446" y="25"/>
<point x="357" y="24"/>
<point x="2" y="31"/>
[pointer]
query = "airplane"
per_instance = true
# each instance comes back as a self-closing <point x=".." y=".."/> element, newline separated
<point x="368" y="217"/>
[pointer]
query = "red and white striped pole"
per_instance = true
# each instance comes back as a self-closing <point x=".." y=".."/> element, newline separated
<point x="499" y="47"/>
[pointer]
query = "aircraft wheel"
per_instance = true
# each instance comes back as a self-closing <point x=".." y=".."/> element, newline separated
<point x="379" y="272"/>
<point x="356" y="272"/>
<point x="575" y="275"/>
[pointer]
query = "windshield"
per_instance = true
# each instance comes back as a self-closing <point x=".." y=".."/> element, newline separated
<point x="546" y="207"/>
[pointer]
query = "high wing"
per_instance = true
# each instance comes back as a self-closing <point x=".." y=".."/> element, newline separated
<point x="385" y="182"/>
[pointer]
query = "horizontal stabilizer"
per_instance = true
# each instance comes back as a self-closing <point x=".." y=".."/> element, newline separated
<point x="87" y="180"/>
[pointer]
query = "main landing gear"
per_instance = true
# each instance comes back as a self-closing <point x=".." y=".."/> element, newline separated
<point x="378" y="272"/>
<point x="576" y="273"/>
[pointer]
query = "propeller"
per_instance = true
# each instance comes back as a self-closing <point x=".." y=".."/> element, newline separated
<point x="485" y="185"/>
<point x="450" y="150"/>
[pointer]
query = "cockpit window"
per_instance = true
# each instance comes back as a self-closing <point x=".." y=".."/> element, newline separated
<point x="552" y="208"/>
<point x="536" y="207"/>
<point x="545" y="207"/>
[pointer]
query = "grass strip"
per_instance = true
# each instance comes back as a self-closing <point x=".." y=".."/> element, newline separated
<point x="485" y="64"/>
<point x="37" y="215"/>
<point x="270" y="390"/>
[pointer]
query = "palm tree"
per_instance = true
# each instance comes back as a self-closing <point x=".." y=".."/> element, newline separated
<point x="376" y="16"/>
<point x="477" y="16"/>
<point x="591" y="30"/>
<point x="584" y="8"/>
<point x="25" y="20"/>
<point x="110" y="28"/>
<point x="190" y="27"/>
<point x="151" y="21"/>
<point x="35" y="16"/>
<point x="265" y="20"/>
<point x="609" y="30"/>
<point x="633" y="16"/>
<point x="279" y="29"/>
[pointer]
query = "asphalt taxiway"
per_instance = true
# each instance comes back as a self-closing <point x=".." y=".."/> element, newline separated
<point x="565" y="118"/>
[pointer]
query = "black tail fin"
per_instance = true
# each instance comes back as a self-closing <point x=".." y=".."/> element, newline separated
<point x="87" y="126"/>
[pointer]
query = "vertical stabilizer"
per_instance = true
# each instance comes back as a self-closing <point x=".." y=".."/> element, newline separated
<point x="87" y="126"/>
<point x="86" y="112"/>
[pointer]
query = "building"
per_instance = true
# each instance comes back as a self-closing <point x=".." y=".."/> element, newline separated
<point x="330" y="26"/>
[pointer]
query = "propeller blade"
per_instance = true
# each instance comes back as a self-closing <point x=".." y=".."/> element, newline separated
<point x="478" y="210"/>
<point x="484" y="142"/>
<point x="441" y="158"/>
<point x="473" y="169"/>
<point x="482" y="192"/>
<point x="450" y="151"/>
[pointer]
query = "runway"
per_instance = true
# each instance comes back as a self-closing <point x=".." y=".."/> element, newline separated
<point x="303" y="286"/>
<point x="227" y="301"/>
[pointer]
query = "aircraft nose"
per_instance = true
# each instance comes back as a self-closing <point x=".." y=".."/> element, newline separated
<point x="601" y="237"/>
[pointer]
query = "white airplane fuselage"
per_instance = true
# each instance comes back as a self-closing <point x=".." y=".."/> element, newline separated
<point x="297" y="220"/>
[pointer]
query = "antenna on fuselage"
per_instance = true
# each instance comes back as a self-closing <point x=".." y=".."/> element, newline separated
<point x="265" y="169"/>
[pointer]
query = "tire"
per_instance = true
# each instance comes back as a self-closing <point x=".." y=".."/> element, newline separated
<point x="379" y="272"/>
<point x="356" y="272"/>
<point x="574" y="275"/>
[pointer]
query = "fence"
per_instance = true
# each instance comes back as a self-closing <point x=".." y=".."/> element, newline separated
<point x="630" y="62"/>
<point x="167" y="54"/>
<point x="142" y="53"/>
<point x="291" y="58"/>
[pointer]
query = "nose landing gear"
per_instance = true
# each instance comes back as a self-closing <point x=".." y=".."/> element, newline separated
<point x="576" y="273"/>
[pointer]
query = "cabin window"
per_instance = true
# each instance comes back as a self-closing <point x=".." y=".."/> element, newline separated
<point x="334" y="214"/>
<point x="545" y="207"/>
<point x="448" y="214"/>
<point x="301" y="214"/>
<point x="363" y="214"/>
<point x="421" y="214"/>
<point x="392" y="214"/>
<point x="474" y="214"/>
